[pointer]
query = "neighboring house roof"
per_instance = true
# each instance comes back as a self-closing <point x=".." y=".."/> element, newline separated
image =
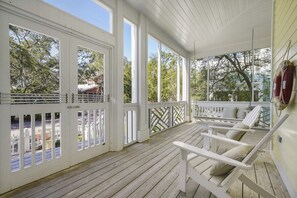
<point x="83" y="88"/>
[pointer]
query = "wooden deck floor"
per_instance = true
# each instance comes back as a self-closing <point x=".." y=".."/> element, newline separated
<point x="148" y="169"/>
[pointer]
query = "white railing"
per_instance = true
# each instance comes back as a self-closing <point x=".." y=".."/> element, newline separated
<point x="130" y="123"/>
<point x="202" y="108"/>
<point x="165" y="115"/>
<point x="35" y="136"/>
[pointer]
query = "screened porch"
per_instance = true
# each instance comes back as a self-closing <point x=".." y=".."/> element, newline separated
<point x="94" y="92"/>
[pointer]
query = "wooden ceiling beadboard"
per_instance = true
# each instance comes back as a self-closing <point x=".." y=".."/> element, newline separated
<point x="210" y="24"/>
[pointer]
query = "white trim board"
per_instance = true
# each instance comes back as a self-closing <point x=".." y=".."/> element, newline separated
<point x="284" y="177"/>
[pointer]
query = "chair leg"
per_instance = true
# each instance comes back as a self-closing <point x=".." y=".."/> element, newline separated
<point x="206" y="143"/>
<point x="209" y="143"/>
<point x="255" y="187"/>
<point x="183" y="171"/>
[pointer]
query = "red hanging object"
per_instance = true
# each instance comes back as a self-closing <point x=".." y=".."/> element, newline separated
<point x="284" y="82"/>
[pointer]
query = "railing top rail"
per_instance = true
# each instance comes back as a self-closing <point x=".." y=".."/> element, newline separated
<point x="32" y="98"/>
<point x="230" y="103"/>
<point x="165" y="104"/>
<point x="130" y="106"/>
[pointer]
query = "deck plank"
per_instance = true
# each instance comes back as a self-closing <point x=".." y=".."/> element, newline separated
<point x="148" y="169"/>
<point x="274" y="177"/>
<point x="262" y="175"/>
<point x="247" y="192"/>
<point x="138" y="177"/>
<point x="110" y="175"/>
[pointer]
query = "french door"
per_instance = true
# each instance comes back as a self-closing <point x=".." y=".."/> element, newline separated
<point x="89" y="105"/>
<point x="52" y="131"/>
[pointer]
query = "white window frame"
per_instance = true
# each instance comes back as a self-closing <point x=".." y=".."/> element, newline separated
<point x="134" y="64"/>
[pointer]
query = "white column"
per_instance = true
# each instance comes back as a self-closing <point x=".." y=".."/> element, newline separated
<point x="178" y="78"/>
<point x="186" y="87"/>
<point x="117" y="81"/>
<point x="253" y="67"/>
<point x="143" y="127"/>
<point x="5" y="170"/>
<point x="134" y="63"/>
<point x="208" y="69"/>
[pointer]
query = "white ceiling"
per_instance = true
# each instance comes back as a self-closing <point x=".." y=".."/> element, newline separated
<point x="215" y="26"/>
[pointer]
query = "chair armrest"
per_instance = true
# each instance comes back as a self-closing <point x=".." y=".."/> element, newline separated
<point x="228" y="128"/>
<point x="211" y="155"/>
<point x="223" y="139"/>
<point x="229" y="119"/>
<point x="218" y="118"/>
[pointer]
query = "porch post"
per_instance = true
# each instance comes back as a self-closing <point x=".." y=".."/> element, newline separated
<point x="143" y="128"/>
<point x="178" y="79"/>
<point x="117" y="89"/>
<point x="186" y="88"/>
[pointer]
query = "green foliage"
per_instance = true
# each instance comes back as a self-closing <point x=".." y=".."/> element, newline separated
<point x="57" y="143"/>
<point x="169" y="76"/>
<point x="127" y="81"/>
<point x="153" y="78"/>
<point x="198" y="80"/>
<point x="230" y="77"/>
<point x="90" y="67"/>
<point x="34" y="62"/>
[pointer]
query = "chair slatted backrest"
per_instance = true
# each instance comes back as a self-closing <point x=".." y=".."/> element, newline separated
<point x="252" y="117"/>
<point x="252" y="156"/>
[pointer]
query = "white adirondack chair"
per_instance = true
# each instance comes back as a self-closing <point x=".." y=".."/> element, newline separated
<point x="209" y="139"/>
<point x="196" y="163"/>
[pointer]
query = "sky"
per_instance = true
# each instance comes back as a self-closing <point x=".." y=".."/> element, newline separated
<point x="94" y="14"/>
<point x="152" y="46"/>
<point x="127" y="40"/>
<point x="86" y="10"/>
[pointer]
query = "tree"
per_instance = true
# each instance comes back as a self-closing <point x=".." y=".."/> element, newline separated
<point x="230" y="76"/>
<point x="198" y="79"/>
<point x="91" y="68"/>
<point x="127" y="80"/>
<point x="169" y="75"/>
<point x="153" y="78"/>
<point x="34" y="62"/>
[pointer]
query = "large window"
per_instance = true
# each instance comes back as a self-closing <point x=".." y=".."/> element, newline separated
<point x="90" y="71"/>
<point x="233" y="77"/>
<point x="198" y="82"/>
<point x="168" y="74"/>
<point x="230" y="77"/>
<point x="130" y="62"/>
<point x="34" y="62"/>
<point x="91" y="11"/>
<point x="262" y="74"/>
<point x="164" y="73"/>
<point x="153" y="48"/>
